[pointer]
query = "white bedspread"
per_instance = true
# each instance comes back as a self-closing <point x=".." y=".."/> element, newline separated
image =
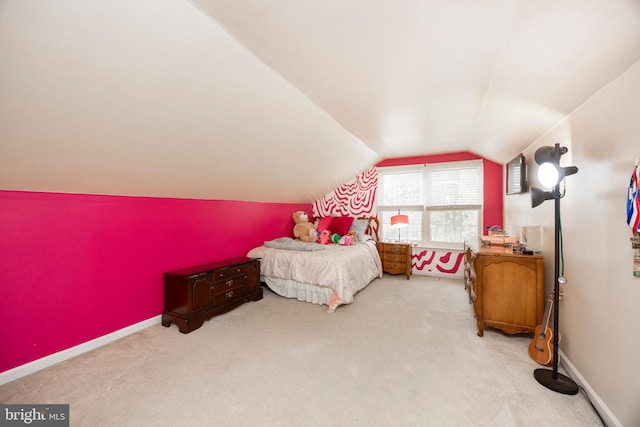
<point x="344" y="269"/>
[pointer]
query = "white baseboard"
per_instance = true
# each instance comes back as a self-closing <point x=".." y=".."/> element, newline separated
<point x="608" y="417"/>
<point x="45" y="362"/>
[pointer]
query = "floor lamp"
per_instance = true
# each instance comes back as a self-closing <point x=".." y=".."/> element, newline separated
<point x="551" y="174"/>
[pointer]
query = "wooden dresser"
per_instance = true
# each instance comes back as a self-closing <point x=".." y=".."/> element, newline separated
<point x="396" y="257"/>
<point x="506" y="289"/>
<point x="193" y="295"/>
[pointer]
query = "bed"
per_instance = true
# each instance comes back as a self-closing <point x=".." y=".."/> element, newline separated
<point x="328" y="275"/>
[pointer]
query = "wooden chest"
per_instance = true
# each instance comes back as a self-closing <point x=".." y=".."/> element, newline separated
<point x="193" y="295"/>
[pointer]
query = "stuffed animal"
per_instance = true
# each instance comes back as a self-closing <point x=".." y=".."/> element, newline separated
<point x="345" y="240"/>
<point x="325" y="237"/>
<point x="354" y="236"/>
<point x="304" y="230"/>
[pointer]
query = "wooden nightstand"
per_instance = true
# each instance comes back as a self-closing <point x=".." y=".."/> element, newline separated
<point x="396" y="257"/>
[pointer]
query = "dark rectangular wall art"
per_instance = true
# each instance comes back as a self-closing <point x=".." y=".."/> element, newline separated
<point x="516" y="175"/>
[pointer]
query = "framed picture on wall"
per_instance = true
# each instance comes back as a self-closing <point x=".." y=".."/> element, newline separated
<point x="517" y="175"/>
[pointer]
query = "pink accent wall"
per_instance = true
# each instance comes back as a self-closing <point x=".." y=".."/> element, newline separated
<point x="76" y="267"/>
<point x="493" y="190"/>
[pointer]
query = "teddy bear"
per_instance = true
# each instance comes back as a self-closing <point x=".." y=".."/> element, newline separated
<point x="303" y="229"/>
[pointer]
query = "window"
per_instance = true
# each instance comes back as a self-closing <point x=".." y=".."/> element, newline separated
<point x="443" y="201"/>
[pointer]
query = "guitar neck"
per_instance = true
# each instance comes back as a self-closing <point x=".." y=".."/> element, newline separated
<point x="547" y="315"/>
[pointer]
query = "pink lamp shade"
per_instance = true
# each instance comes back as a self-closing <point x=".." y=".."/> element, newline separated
<point x="399" y="221"/>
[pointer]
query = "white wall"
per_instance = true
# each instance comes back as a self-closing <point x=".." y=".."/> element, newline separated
<point x="599" y="321"/>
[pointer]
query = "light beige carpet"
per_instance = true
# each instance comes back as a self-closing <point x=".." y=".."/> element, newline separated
<point x="405" y="353"/>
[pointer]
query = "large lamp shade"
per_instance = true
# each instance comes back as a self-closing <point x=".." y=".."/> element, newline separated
<point x="538" y="196"/>
<point x="399" y="221"/>
<point x="550" y="172"/>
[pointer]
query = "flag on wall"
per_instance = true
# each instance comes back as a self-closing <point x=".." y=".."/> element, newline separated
<point x="633" y="202"/>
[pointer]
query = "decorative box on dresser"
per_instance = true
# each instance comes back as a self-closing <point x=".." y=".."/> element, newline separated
<point x="505" y="288"/>
<point x="195" y="294"/>
<point x="396" y="257"/>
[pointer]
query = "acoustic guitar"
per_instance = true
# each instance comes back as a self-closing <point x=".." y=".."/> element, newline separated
<point x="541" y="347"/>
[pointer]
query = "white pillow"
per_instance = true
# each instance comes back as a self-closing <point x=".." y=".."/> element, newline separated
<point x="360" y="225"/>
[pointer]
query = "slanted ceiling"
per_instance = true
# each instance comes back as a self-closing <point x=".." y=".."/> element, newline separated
<point x="283" y="100"/>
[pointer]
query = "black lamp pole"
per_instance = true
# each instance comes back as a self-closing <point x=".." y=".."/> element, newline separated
<point x="551" y="378"/>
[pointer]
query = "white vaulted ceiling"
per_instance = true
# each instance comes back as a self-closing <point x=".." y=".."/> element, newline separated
<point x="412" y="77"/>
<point x="282" y="100"/>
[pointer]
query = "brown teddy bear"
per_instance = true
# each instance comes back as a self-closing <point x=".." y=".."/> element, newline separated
<point x="304" y="230"/>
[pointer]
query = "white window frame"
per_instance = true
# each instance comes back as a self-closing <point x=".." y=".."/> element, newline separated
<point x="424" y="208"/>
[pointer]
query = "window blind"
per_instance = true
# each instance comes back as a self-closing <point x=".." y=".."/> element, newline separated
<point x="454" y="185"/>
<point x="401" y="187"/>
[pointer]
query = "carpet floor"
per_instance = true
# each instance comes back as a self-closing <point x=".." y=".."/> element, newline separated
<point x="405" y="353"/>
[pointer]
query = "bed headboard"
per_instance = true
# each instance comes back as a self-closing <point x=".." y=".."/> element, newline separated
<point x="373" y="228"/>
